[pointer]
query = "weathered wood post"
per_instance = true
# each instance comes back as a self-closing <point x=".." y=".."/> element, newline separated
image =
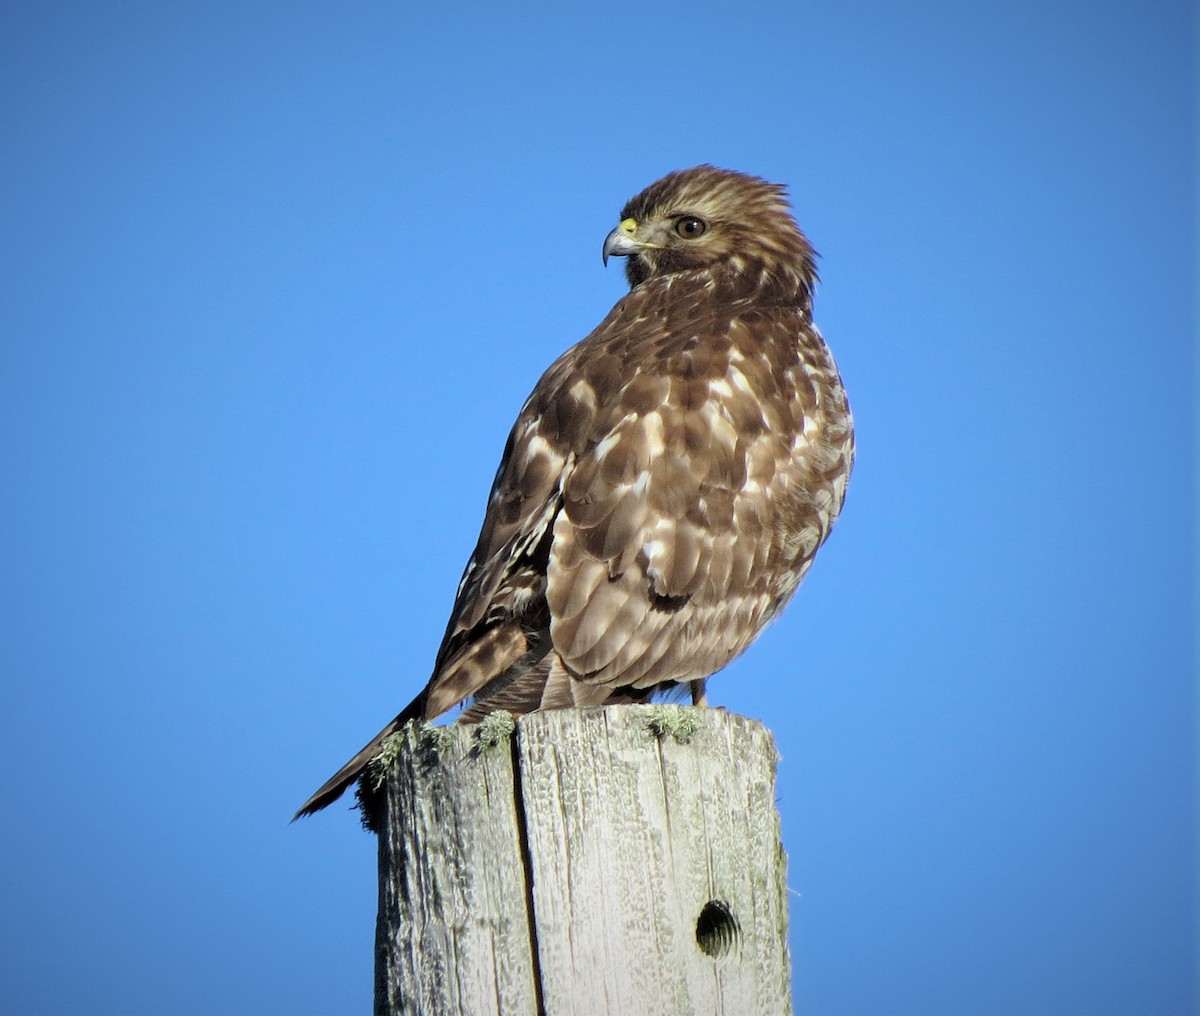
<point x="620" y="861"/>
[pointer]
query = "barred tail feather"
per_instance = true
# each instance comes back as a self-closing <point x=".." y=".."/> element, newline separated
<point x="341" y="781"/>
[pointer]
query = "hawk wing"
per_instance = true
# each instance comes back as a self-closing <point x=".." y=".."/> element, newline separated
<point x="647" y="517"/>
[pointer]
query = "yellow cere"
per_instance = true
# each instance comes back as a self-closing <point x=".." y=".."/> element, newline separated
<point x="628" y="226"/>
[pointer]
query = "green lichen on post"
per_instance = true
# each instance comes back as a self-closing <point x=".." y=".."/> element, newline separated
<point x="494" y="729"/>
<point x="377" y="769"/>
<point x="424" y="742"/>
<point x="434" y="739"/>
<point x="679" y="722"/>
<point x="422" y="739"/>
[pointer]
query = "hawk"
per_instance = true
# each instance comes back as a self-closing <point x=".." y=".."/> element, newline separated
<point x="668" y="483"/>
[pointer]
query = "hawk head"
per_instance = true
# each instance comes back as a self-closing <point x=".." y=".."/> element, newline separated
<point x="737" y="229"/>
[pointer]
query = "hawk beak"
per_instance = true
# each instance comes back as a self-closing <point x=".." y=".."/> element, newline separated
<point x="621" y="242"/>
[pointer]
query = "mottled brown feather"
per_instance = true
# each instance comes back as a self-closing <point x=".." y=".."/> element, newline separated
<point x="667" y="483"/>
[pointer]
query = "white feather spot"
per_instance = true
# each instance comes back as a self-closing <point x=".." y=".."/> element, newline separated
<point x="538" y="445"/>
<point x="583" y="393"/>
<point x="652" y="425"/>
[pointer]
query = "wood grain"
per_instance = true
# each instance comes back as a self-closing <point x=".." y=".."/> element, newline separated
<point x="615" y="861"/>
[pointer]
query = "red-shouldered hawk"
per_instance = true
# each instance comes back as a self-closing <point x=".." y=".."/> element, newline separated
<point x="669" y="481"/>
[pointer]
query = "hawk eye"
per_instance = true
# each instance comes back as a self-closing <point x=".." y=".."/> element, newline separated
<point x="689" y="227"/>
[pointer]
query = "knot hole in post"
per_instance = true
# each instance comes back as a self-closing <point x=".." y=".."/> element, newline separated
<point x="716" y="929"/>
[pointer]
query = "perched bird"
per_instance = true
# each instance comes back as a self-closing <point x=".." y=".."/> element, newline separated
<point x="668" y="483"/>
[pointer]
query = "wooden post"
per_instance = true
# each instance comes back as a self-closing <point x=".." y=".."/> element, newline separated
<point x="621" y="861"/>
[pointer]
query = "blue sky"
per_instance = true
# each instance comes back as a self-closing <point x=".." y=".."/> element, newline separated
<point x="276" y="279"/>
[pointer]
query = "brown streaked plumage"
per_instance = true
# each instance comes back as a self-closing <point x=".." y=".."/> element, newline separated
<point x="667" y="484"/>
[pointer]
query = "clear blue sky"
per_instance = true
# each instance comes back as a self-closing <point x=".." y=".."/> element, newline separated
<point x="276" y="278"/>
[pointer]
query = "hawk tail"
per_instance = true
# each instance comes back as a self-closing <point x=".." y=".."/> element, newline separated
<point x="340" y="782"/>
